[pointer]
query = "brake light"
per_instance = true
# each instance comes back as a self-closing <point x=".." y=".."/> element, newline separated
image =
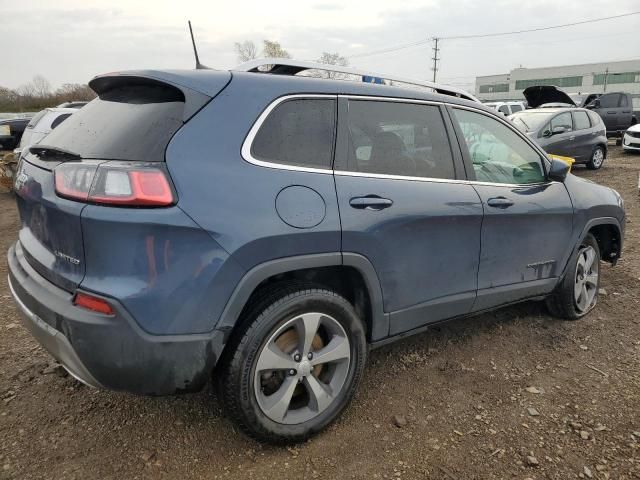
<point x="92" y="303"/>
<point x="114" y="183"/>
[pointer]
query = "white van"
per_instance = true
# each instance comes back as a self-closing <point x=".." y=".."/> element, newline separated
<point x="506" y="108"/>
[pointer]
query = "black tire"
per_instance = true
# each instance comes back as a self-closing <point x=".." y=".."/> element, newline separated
<point x="595" y="162"/>
<point x="563" y="303"/>
<point x="262" y="320"/>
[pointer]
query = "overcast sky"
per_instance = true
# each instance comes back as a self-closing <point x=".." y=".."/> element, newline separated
<point x="70" y="41"/>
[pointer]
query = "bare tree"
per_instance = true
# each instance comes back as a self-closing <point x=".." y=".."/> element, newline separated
<point x="331" y="59"/>
<point x="74" y="91"/>
<point x="273" y="49"/>
<point x="246" y="50"/>
<point x="41" y="86"/>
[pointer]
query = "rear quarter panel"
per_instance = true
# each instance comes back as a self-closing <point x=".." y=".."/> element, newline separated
<point x="234" y="200"/>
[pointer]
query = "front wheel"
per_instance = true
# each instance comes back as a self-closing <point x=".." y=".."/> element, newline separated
<point x="597" y="158"/>
<point x="577" y="295"/>
<point x="295" y="365"/>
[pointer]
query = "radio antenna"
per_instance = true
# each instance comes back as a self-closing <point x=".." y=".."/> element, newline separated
<point x="199" y="66"/>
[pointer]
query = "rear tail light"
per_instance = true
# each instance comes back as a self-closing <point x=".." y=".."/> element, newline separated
<point x="114" y="183"/>
<point x="92" y="303"/>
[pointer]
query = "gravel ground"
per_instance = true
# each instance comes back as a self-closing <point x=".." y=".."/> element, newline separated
<point x="511" y="394"/>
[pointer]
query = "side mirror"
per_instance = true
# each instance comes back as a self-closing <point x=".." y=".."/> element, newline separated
<point x="547" y="133"/>
<point x="559" y="129"/>
<point x="558" y="170"/>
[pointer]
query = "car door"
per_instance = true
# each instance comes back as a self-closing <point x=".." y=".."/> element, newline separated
<point x="608" y="106"/>
<point x="562" y="137"/>
<point x="584" y="134"/>
<point x="405" y="207"/>
<point x="626" y="112"/>
<point x="527" y="225"/>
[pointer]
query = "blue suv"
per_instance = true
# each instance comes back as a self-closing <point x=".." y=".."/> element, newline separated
<point x="267" y="229"/>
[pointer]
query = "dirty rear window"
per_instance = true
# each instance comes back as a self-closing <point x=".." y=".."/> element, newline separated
<point x="133" y="122"/>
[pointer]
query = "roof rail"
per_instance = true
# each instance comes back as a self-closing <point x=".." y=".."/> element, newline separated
<point x="284" y="66"/>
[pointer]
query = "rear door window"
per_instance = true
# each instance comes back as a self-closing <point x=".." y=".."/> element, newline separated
<point x="581" y="120"/>
<point x="609" y="100"/>
<point x="515" y="108"/>
<point x="299" y="132"/>
<point x="394" y="138"/>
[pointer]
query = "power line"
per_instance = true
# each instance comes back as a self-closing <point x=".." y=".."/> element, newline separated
<point x="539" y="29"/>
<point x="485" y="35"/>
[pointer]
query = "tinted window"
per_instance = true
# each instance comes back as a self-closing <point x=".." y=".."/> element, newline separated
<point x="499" y="154"/>
<point x="125" y="123"/>
<point x="563" y="120"/>
<point x="59" y="120"/>
<point x="581" y="120"/>
<point x="515" y="108"/>
<point x="398" y="139"/>
<point x="504" y="109"/>
<point x="623" y="101"/>
<point x="609" y="100"/>
<point x="298" y="132"/>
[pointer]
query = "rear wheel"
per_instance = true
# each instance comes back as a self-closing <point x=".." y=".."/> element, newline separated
<point x="597" y="158"/>
<point x="577" y="295"/>
<point x="296" y="364"/>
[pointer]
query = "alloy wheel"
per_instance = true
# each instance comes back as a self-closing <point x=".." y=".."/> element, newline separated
<point x="586" y="279"/>
<point x="302" y="368"/>
<point x="597" y="158"/>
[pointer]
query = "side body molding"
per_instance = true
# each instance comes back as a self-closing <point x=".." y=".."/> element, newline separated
<point x="253" y="278"/>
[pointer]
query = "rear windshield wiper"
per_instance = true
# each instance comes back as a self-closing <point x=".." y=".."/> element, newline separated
<point x="47" y="151"/>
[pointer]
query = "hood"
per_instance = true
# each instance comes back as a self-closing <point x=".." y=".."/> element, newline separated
<point x="634" y="128"/>
<point x="541" y="94"/>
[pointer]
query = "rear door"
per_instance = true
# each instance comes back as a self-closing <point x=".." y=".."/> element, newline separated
<point x="584" y="135"/>
<point x="626" y="112"/>
<point x="527" y="225"/>
<point x="609" y="110"/>
<point x="403" y="208"/>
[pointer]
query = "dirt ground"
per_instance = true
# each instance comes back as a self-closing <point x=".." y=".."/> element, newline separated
<point x="511" y="394"/>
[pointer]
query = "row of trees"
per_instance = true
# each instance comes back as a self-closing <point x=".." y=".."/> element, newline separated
<point x="247" y="50"/>
<point x="38" y="94"/>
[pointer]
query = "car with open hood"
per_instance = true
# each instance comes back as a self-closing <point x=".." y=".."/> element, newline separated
<point x="567" y="131"/>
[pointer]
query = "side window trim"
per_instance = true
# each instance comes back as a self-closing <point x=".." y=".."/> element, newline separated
<point x="245" y="150"/>
<point x="467" y="157"/>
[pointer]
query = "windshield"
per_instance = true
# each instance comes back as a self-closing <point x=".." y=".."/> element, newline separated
<point x="530" y="121"/>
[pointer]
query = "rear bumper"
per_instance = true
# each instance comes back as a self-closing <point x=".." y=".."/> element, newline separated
<point x="109" y="351"/>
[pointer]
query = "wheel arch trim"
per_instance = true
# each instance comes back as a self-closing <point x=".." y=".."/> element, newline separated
<point x="259" y="273"/>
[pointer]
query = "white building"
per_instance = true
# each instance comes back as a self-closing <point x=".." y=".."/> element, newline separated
<point x="588" y="78"/>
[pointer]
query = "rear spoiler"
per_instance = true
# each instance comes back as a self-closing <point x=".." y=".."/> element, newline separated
<point x="196" y="87"/>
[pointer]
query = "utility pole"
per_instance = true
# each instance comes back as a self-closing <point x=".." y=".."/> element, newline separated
<point x="606" y="79"/>
<point x="435" y="57"/>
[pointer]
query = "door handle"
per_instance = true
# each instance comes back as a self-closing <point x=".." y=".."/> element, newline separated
<point x="370" y="202"/>
<point x="499" y="202"/>
<point x="611" y="112"/>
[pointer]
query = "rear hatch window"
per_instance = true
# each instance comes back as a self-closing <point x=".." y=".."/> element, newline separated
<point x="133" y="122"/>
